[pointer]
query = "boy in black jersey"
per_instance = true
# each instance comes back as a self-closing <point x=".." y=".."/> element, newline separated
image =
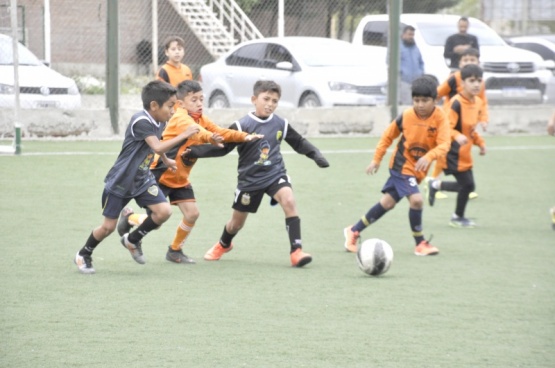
<point x="262" y="170"/>
<point x="130" y="176"/>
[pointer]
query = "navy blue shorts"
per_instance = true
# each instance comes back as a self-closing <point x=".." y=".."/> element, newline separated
<point x="399" y="185"/>
<point x="112" y="204"/>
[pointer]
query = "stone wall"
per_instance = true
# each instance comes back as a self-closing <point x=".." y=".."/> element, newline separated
<point x="94" y="123"/>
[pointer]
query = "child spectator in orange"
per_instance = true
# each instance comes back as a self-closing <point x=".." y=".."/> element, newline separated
<point x="465" y="112"/>
<point x="447" y="90"/>
<point x="175" y="184"/>
<point x="424" y="136"/>
<point x="174" y="71"/>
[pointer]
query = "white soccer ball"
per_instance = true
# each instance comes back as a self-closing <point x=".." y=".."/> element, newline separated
<point x="374" y="256"/>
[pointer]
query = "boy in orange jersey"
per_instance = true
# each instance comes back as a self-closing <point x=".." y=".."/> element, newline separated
<point x="449" y="88"/>
<point x="174" y="71"/>
<point x="424" y="136"/>
<point x="465" y="112"/>
<point x="175" y="184"/>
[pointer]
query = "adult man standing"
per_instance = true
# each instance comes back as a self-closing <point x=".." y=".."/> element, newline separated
<point x="458" y="42"/>
<point x="411" y="65"/>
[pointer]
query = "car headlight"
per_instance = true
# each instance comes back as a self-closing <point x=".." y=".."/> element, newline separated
<point x="72" y="89"/>
<point x="6" y="89"/>
<point x="340" y="86"/>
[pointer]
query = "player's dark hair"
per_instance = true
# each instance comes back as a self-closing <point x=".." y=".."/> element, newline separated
<point x="262" y="86"/>
<point x="471" y="51"/>
<point x="186" y="87"/>
<point x="171" y="39"/>
<point x="471" y="70"/>
<point x="408" y="28"/>
<point x="464" y="19"/>
<point x="424" y="86"/>
<point x="158" y="91"/>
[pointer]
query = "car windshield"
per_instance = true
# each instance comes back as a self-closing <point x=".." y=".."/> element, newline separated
<point x="436" y="34"/>
<point x="328" y="54"/>
<point x="26" y="57"/>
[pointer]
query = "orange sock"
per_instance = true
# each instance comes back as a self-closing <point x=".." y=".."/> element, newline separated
<point x="437" y="170"/>
<point x="183" y="231"/>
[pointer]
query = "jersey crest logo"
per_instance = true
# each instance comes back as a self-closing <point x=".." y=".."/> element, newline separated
<point x="279" y="134"/>
<point x="245" y="199"/>
<point x="153" y="190"/>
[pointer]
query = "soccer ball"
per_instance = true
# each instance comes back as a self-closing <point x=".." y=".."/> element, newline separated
<point x="374" y="256"/>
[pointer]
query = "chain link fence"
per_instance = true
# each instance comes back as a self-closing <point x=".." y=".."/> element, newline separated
<point x="70" y="36"/>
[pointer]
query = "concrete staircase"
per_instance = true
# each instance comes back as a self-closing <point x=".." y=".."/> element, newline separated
<point x="218" y="24"/>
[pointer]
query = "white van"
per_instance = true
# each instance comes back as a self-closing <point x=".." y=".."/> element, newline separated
<point x="511" y="75"/>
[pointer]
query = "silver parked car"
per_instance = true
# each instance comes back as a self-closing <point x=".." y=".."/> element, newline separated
<point x="311" y="71"/>
<point x="39" y="85"/>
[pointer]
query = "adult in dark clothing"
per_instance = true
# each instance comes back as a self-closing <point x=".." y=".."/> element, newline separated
<point x="457" y="43"/>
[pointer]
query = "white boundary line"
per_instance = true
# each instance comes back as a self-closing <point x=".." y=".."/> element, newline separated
<point x="352" y="151"/>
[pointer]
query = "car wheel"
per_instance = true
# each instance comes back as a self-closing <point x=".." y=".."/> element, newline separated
<point x="218" y="101"/>
<point x="310" y="100"/>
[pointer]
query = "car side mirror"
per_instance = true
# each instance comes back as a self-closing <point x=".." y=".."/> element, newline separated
<point x="549" y="64"/>
<point x="285" y="65"/>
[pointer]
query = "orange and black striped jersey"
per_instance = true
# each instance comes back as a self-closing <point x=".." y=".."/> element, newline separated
<point x="174" y="75"/>
<point x="463" y="117"/>
<point x="453" y="85"/>
<point x="419" y="138"/>
<point x="178" y="123"/>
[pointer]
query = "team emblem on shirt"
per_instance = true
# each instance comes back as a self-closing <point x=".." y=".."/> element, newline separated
<point x="245" y="199"/>
<point x="279" y="134"/>
<point x="264" y="148"/>
<point x="153" y="190"/>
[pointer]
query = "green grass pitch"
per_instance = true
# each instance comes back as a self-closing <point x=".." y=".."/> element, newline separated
<point x="487" y="300"/>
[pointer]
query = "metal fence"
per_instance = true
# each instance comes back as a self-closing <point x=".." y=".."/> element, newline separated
<point x="71" y="36"/>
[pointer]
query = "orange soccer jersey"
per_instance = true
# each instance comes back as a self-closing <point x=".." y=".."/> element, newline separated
<point x="463" y="115"/>
<point x="174" y="75"/>
<point x="177" y="124"/>
<point x="419" y="137"/>
<point x="453" y="85"/>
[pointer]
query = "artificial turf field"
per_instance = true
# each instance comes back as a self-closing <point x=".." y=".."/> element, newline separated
<point x="487" y="300"/>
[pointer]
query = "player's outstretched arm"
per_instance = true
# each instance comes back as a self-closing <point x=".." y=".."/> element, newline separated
<point x="304" y="147"/>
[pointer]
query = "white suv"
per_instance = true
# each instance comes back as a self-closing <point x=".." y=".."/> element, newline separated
<point x="512" y="75"/>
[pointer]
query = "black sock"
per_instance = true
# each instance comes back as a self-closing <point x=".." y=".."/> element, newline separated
<point x="147" y="226"/>
<point x="89" y="246"/>
<point x="373" y="215"/>
<point x="415" y="219"/>
<point x="293" y="226"/>
<point x="226" y="238"/>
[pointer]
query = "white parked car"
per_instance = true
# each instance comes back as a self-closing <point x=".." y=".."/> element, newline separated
<point x="39" y="85"/>
<point x="311" y="71"/>
<point x="511" y="75"/>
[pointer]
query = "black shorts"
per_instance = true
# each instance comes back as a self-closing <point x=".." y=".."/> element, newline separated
<point x="112" y="204"/>
<point x="249" y="201"/>
<point x="176" y="195"/>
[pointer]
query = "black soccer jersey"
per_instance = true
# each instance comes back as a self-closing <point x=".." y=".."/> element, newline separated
<point x="260" y="161"/>
<point x="130" y="175"/>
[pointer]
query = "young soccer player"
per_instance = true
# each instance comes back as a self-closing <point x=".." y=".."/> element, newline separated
<point x="174" y="71"/>
<point x="262" y="171"/>
<point x="424" y="133"/>
<point x="449" y="88"/>
<point x="175" y="184"/>
<point x="130" y="176"/>
<point x="465" y="112"/>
